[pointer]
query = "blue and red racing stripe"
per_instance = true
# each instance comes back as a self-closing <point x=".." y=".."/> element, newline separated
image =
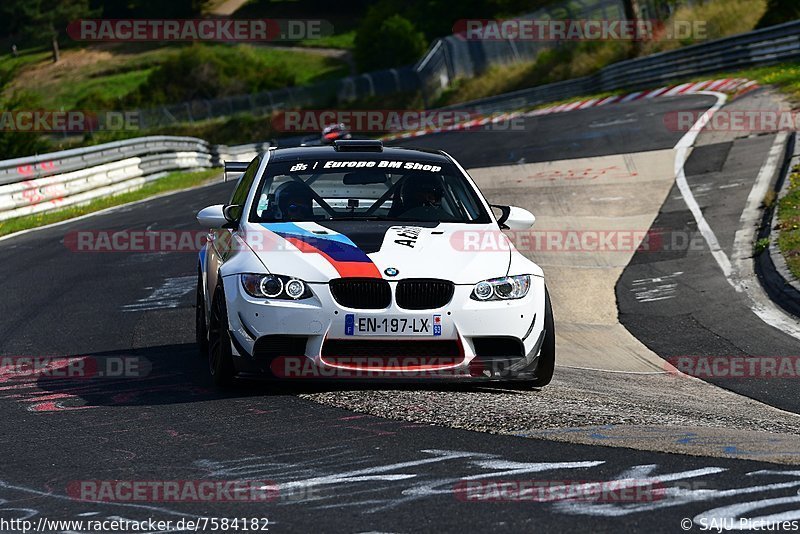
<point x="348" y="260"/>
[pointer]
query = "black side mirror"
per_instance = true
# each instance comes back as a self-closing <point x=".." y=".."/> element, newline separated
<point x="232" y="213"/>
<point x="505" y="212"/>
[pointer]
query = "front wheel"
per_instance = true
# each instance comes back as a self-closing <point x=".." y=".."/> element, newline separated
<point x="547" y="356"/>
<point x="220" y="357"/>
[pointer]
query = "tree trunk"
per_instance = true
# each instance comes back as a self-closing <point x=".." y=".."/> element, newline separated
<point x="56" y="51"/>
<point x="633" y="12"/>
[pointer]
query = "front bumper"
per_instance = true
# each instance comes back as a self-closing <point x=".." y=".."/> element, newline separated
<point x="472" y="344"/>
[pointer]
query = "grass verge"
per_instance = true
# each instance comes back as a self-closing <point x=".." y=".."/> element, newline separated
<point x="171" y="182"/>
<point x="574" y="60"/>
<point x="789" y="224"/>
<point x="785" y="77"/>
<point x="96" y="77"/>
<point x="345" y="41"/>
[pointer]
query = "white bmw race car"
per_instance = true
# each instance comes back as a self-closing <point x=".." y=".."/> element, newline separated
<point x="360" y="261"/>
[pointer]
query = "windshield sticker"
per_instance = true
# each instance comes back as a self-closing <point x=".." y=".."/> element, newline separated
<point x="383" y="164"/>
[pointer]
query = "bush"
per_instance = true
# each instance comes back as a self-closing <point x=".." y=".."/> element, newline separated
<point x="779" y="11"/>
<point x="238" y="129"/>
<point x="386" y="42"/>
<point x="760" y="246"/>
<point x="146" y="9"/>
<point x="18" y="144"/>
<point x="97" y="99"/>
<point x="206" y="72"/>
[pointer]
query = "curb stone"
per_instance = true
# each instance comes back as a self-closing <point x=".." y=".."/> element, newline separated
<point x="773" y="273"/>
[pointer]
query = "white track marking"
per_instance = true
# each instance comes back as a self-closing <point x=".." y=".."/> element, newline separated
<point x="683" y="149"/>
<point x="655" y="289"/>
<point x="4" y="484"/>
<point x="621" y="372"/>
<point x="738" y="516"/>
<point x="739" y="274"/>
<point x="169" y="295"/>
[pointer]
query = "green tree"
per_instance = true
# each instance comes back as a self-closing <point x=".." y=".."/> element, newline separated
<point x="436" y="18"/>
<point x="149" y="8"/>
<point x="39" y="20"/>
<point x="210" y="71"/>
<point x="779" y="11"/>
<point x="384" y="42"/>
<point x="14" y="144"/>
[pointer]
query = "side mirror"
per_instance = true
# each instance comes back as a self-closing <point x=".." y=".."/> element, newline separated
<point x="514" y="218"/>
<point x="212" y="216"/>
<point x="232" y="213"/>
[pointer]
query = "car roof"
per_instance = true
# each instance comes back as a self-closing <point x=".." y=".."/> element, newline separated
<point x="329" y="153"/>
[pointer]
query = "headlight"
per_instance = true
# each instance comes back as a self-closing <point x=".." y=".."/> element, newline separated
<point x="275" y="286"/>
<point x="507" y="288"/>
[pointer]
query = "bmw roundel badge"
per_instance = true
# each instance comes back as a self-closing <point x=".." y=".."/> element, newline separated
<point x="391" y="271"/>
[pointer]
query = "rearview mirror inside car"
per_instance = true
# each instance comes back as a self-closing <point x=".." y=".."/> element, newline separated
<point x="364" y="178"/>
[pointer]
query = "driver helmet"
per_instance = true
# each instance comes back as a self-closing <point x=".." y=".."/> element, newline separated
<point x="294" y="200"/>
<point x="421" y="191"/>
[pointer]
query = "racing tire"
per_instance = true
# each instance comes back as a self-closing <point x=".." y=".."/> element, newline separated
<point x="220" y="357"/>
<point x="200" y="328"/>
<point x="547" y="356"/>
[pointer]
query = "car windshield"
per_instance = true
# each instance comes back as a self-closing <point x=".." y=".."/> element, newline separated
<point x="391" y="189"/>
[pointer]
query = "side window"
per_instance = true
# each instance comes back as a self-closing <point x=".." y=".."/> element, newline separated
<point x="239" y="196"/>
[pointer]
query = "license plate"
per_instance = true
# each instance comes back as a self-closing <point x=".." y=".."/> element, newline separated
<point x="364" y="325"/>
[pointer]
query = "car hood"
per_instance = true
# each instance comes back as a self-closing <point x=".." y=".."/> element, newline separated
<point x="319" y="252"/>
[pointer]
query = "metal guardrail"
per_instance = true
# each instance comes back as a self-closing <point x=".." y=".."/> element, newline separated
<point x="454" y="57"/>
<point x="768" y="46"/>
<point x="322" y="94"/>
<point x="33" y="167"/>
<point x="760" y="47"/>
<point x="222" y="153"/>
<point x="56" y="180"/>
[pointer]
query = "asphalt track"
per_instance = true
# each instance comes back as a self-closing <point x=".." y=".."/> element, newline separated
<point x="637" y="126"/>
<point x="704" y="315"/>
<point x="337" y="471"/>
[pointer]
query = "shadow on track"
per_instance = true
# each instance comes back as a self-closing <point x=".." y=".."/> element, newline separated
<point x="175" y="374"/>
